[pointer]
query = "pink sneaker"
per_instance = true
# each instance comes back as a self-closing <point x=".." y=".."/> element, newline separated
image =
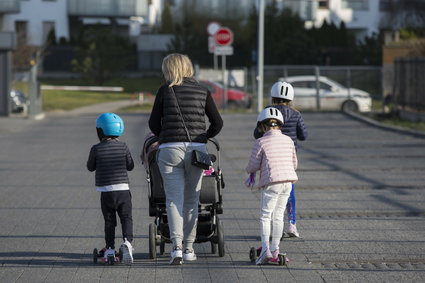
<point x="291" y="230"/>
<point x="275" y="256"/>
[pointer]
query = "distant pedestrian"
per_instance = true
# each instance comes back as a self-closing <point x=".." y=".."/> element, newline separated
<point x="274" y="155"/>
<point x="282" y="93"/>
<point x="111" y="159"/>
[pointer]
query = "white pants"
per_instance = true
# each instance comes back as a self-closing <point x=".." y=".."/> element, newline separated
<point x="273" y="203"/>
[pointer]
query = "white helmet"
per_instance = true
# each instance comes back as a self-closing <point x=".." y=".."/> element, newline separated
<point x="282" y="90"/>
<point x="270" y="113"/>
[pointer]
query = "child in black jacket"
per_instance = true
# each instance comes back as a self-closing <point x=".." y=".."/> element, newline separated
<point x="111" y="159"/>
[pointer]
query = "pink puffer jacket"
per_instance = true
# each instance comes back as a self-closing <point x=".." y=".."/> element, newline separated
<point x="275" y="156"/>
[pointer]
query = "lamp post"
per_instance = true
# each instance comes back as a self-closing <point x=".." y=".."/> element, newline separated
<point x="260" y="76"/>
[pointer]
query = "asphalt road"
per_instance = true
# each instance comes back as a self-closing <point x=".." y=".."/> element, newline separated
<point x="360" y="200"/>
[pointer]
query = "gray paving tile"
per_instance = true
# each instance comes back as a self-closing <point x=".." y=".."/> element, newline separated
<point x="360" y="206"/>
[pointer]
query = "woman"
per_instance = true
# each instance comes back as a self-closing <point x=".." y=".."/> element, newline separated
<point x="178" y="119"/>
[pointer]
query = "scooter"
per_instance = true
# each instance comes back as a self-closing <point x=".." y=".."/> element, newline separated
<point x="281" y="259"/>
<point x="107" y="256"/>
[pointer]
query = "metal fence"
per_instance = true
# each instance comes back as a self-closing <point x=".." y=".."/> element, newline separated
<point x="367" y="78"/>
<point x="409" y="83"/>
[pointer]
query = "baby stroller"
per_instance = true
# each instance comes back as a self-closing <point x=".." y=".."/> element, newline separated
<point x="209" y="227"/>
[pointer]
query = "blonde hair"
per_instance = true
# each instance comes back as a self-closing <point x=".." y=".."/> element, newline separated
<point x="175" y="67"/>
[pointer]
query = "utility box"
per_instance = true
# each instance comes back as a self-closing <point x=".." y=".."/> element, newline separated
<point x="7" y="44"/>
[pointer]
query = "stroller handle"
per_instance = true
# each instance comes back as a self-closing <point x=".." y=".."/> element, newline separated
<point x="215" y="142"/>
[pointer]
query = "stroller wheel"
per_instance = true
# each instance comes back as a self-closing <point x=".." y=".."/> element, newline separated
<point x="162" y="248"/>
<point x="213" y="248"/>
<point x="152" y="241"/>
<point x="220" y="238"/>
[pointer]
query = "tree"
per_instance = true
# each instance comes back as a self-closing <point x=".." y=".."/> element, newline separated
<point x="101" y="53"/>
<point x="167" y="25"/>
<point x="369" y="51"/>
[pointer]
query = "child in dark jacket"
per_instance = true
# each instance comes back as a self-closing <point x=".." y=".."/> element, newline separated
<point x="111" y="159"/>
<point x="282" y="93"/>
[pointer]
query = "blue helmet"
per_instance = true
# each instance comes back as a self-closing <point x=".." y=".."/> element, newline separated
<point x="111" y="124"/>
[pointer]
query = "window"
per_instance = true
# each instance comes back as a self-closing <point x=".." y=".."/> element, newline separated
<point x="385" y="5"/>
<point x="47" y="28"/>
<point x="355" y="4"/>
<point x="325" y="86"/>
<point x="21" y="29"/>
<point x="300" y="84"/>
<point x="323" y="4"/>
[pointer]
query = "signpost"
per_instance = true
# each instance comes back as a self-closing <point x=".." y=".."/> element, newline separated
<point x="211" y="29"/>
<point x="223" y="38"/>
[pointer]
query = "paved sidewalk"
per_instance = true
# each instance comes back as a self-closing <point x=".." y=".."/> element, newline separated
<point x="360" y="206"/>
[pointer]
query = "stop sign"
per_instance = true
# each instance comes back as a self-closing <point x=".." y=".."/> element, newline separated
<point x="223" y="36"/>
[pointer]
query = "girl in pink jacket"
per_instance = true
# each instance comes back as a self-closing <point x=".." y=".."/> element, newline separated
<point x="275" y="157"/>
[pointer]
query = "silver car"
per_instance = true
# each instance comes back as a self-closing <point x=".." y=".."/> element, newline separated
<point x="333" y="96"/>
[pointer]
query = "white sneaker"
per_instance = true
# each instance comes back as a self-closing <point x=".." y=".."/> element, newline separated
<point x="127" y="250"/>
<point x="291" y="230"/>
<point x="176" y="256"/>
<point x="189" y="255"/>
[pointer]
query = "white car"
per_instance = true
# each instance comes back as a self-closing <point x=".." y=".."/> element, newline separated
<point x="333" y="96"/>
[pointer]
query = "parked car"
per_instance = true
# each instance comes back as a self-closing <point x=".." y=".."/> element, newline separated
<point x="19" y="101"/>
<point x="333" y="96"/>
<point x="235" y="98"/>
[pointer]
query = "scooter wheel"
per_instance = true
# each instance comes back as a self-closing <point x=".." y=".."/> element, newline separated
<point x="111" y="260"/>
<point x="252" y="254"/>
<point x="95" y="255"/>
<point x="283" y="260"/>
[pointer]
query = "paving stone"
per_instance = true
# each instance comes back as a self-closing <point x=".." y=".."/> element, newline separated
<point x="359" y="204"/>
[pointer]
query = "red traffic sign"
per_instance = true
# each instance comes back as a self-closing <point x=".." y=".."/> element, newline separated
<point x="223" y="36"/>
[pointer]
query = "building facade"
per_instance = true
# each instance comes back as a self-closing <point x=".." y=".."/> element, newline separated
<point x="33" y="20"/>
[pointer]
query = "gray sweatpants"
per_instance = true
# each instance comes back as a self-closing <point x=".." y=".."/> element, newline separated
<point x="182" y="186"/>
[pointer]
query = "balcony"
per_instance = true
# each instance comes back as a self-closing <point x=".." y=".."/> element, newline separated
<point x="108" y="8"/>
<point x="9" y="6"/>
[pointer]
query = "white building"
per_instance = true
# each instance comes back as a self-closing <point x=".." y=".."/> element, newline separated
<point x="34" y="20"/>
<point x="37" y="17"/>
<point x="363" y="17"/>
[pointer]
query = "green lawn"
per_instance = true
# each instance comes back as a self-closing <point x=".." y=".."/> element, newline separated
<point x="68" y="100"/>
<point x="395" y="121"/>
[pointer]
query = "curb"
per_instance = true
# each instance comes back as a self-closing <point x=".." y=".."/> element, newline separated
<point x="415" y="133"/>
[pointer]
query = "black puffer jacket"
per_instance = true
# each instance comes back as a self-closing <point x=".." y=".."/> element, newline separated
<point x="111" y="159"/>
<point x="195" y="102"/>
